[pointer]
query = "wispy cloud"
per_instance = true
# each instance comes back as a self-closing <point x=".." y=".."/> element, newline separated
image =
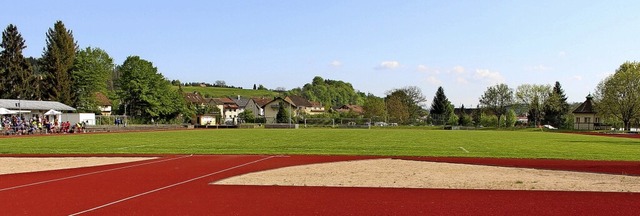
<point x="388" y="65"/>
<point x="562" y="54"/>
<point x="576" y="77"/>
<point x="491" y="77"/>
<point x="336" y="63"/>
<point x="539" y="68"/>
<point x="433" y="80"/>
<point x="458" y="70"/>
<point x="462" y="80"/>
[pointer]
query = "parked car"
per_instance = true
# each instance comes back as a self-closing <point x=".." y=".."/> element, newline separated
<point x="549" y="127"/>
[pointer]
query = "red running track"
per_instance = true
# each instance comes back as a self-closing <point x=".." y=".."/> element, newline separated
<point x="179" y="185"/>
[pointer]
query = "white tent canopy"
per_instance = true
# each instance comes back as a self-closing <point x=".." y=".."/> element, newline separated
<point x="53" y="112"/>
<point x="4" y="111"/>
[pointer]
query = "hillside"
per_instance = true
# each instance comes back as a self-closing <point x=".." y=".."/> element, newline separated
<point x="217" y="92"/>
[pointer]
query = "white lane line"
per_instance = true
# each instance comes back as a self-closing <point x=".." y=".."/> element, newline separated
<point x="170" y="186"/>
<point x="463" y="149"/>
<point x="91" y="173"/>
<point x="126" y="147"/>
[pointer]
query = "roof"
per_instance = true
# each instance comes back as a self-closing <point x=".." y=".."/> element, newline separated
<point x="315" y="104"/>
<point x="242" y="102"/>
<point x="287" y="100"/>
<point x="262" y="101"/>
<point x="350" y="108"/>
<point x="586" y="106"/>
<point x="102" y="99"/>
<point x="299" y="101"/>
<point x="12" y="104"/>
<point x="194" y="98"/>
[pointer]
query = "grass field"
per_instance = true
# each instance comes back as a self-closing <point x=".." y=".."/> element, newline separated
<point x="217" y="92"/>
<point x="406" y="142"/>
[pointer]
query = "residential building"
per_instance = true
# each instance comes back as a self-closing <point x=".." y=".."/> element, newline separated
<point x="586" y="117"/>
<point x="104" y="104"/>
<point x="271" y="109"/>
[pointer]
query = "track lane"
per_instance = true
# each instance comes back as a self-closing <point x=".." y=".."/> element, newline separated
<point x="198" y="197"/>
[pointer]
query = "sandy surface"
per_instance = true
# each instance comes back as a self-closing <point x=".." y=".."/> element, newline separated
<point x="417" y="174"/>
<point x="22" y="165"/>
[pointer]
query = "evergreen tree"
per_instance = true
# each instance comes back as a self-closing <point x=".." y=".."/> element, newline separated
<point x="439" y="107"/>
<point x="57" y="64"/>
<point x="15" y="71"/>
<point x="556" y="107"/>
<point x="283" y="114"/>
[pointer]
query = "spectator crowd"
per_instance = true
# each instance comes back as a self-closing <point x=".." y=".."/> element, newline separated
<point x="19" y="125"/>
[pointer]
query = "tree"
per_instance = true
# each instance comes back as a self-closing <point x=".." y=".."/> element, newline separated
<point x="91" y="72"/>
<point x="329" y="92"/>
<point x="254" y="87"/>
<point x="220" y="83"/>
<point x="556" y="107"/>
<point x="439" y="107"/>
<point x="497" y="98"/>
<point x="398" y="107"/>
<point x="57" y="63"/>
<point x="618" y="95"/>
<point x="413" y="98"/>
<point x="247" y="116"/>
<point x="374" y="107"/>
<point x="146" y="93"/>
<point x="511" y="118"/>
<point x="452" y="117"/>
<point x="283" y="114"/>
<point x="533" y="97"/>
<point x="15" y="70"/>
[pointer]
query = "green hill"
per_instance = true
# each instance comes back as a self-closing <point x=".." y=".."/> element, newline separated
<point x="217" y="92"/>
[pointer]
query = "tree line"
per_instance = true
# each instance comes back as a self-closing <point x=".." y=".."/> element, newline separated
<point x="73" y="76"/>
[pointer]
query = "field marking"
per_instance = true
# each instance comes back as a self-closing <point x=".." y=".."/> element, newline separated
<point x="90" y="173"/>
<point x="170" y="186"/>
<point x="126" y="147"/>
<point x="463" y="149"/>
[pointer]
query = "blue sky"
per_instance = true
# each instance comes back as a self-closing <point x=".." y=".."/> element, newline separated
<point x="464" y="46"/>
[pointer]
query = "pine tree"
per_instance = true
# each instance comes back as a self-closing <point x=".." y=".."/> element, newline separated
<point x="439" y="107"/>
<point x="15" y="70"/>
<point x="57" y="63"/>
<point x="556" y="107"/>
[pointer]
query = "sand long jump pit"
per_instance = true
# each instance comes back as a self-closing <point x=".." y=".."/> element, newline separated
<point x="11" y="165"/>
<point x="397" y="173"/>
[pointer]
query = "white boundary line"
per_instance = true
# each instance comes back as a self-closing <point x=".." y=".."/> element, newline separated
<point x="126" y="147"/>
<point x="91" y="173"/>
<point x="463" y="149"/>
<point x="170" y="186"/>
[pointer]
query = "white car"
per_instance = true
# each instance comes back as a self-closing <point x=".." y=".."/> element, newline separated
<point x="549" y="127"/>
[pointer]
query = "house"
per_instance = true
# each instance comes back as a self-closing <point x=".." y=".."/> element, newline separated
<point x="261" y="102"/>
<point x="230" y="111"/>
<point x="271" y="109"/>
<point x="195" y="99"/>
<point x="104" y="104"/>
<point x="356" y="109"/>
<point x="304" y="106"/>
<point x="247" y="104"/>
<point x="586" y="117"/>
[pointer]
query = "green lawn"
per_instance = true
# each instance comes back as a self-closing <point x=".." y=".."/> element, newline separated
<point x="391" y="142"/>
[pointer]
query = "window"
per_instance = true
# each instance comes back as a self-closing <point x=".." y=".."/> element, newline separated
<point x="587" y="119"/>
<point x="577" y="119"/>
<point x="597" y="120"/>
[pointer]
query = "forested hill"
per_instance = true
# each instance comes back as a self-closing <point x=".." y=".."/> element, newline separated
<point x="329" y="92"/>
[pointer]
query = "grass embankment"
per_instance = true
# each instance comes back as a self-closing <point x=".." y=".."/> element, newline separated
<point x="390" y="142"/>
<point x="218" y="92"/>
